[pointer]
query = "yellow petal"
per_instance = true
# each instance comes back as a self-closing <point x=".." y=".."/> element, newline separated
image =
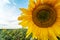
<point x="57" y="2"/>
<point x="25" y="11"/>
<point x="58" y="12"/>
<point x="36" y="32"/>
<point x="43" y="34"/>
<point x="57" y="5"/>
<point x="31" y="5"/>
<point x="24" y="17"/>
<point x="57" y="22"/>
<point x="38" y="2"/>
<point x="29" y="31"/>
<point x="52" y="2"/>
<point x="57" y="30"/>
<point x="56" y="27"/>
<point x="52" y="35"/>
<point x="24" y="23"/>
<point x="57" y="8"/>
<point x="34" y="36"/>
<point x="31" y="28"/>
<point x="21" y="17"/>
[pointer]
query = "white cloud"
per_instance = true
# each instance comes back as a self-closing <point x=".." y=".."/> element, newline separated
<point x="8" y="14"/>
<point x="3" y="2"/>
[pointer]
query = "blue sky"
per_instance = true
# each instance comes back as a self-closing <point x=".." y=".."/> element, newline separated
<point x="9" y="12"/>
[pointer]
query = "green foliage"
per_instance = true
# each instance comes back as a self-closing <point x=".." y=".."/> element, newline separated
<point x="13" y="34"/>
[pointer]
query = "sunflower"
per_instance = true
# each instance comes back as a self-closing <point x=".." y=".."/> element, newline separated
<point x="42" y="17"/>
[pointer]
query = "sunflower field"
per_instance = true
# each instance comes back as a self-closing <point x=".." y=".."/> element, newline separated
<point x="13" y="34"/>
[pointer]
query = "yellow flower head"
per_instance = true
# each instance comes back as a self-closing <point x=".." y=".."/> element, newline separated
<point x="42" y="17"/>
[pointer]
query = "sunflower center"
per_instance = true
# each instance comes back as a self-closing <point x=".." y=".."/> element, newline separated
<point x="44" y="16"/>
